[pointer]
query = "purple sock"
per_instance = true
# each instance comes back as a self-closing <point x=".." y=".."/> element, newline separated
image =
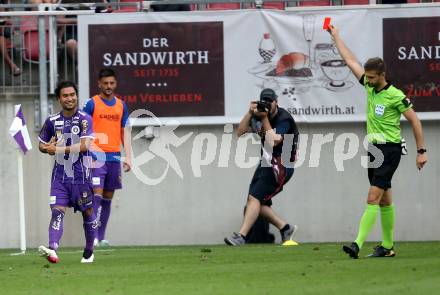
<point x="105" y="214"/>
<point x="97" y="206"/>
<point x="90" y="225"/>
<point x="56" y="228"/>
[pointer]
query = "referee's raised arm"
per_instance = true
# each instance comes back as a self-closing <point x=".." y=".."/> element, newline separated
<point x="346" y="54"/>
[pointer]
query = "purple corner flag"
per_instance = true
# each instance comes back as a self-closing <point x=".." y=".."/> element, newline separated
<point x="19" y="132"/>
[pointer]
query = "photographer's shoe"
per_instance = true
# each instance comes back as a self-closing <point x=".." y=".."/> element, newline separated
<point x="288" y="233"/>
<point x="235" y="240"/>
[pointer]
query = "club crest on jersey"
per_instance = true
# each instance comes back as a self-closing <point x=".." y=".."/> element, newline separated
<point x="75" y="130"/>
<point x="379" y="110"/>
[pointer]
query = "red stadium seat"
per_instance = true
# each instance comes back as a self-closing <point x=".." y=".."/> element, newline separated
<point x="30" y="42"/>
<point x="413" y="1"/>
<point x="315" y="3"/>
<point x="223" y="6"/>
<point x="127" y="8"/>
<point x="274" y="5"/>
<point x="31" y="46"/>
<point x="356" y="2"/>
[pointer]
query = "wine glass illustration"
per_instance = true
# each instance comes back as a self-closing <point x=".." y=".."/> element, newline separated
<point x="308" y="30"/>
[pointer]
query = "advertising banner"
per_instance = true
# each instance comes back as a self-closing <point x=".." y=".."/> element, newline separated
<point x="204" y="67"/>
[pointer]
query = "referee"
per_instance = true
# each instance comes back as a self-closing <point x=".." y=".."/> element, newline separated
<point x="385" y="104"/>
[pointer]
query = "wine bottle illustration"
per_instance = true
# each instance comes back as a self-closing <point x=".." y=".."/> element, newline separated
<point x="267" y="48"/>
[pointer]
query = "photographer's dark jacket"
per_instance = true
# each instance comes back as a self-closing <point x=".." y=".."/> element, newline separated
<point x="283" y="124"/>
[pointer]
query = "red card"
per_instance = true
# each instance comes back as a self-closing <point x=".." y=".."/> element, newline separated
<point x="326" y="23"/>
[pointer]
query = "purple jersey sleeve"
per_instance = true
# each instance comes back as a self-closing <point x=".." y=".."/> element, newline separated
<point x="124" y="115"/>
<point x="46" y="132"/>
<point x="86" y="126"/>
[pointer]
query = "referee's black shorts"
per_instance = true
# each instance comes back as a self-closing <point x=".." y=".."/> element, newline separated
<point x="381" y="176"/>
<point x="268" y="182"/>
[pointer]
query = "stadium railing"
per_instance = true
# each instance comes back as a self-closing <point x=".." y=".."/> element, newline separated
<point x="34" y="30"/>
<point x="22" y="44"/>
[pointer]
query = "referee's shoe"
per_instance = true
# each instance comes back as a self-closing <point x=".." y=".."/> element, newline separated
<point x="352" y="250"/>
<point x="380" y="251"/>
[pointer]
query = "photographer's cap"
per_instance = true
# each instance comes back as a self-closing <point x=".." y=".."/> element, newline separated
<point x="268" y="94"/>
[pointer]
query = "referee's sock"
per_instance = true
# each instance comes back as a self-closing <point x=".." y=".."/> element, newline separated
<point x="387" y="220"/>
<point x="367" y="222"/>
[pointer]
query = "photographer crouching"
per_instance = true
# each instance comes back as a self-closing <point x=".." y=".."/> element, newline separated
<point x="276" y="128"/>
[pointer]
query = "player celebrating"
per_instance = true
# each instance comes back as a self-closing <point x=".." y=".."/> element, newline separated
<point x="110" y="116"/>
<point x="67" y="136"/>
<point x="385" y="104"/>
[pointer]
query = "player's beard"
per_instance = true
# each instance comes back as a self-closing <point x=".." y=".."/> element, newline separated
<point x="373" y="85"/>
<point x="273" y="112"/>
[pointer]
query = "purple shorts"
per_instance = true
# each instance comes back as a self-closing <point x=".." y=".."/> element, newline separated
<point x="78" y="196"/>
<point x="107" y="175"/>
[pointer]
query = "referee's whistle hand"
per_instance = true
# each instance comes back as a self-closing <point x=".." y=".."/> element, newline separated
<point x="421" y="160"/>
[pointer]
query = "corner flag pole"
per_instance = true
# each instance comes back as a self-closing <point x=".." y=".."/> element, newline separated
<point x="21" y="201"/>
<point x="19" y="132"/>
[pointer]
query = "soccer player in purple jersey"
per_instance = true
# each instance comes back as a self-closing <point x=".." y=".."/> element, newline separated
<point x="67" y="136"/>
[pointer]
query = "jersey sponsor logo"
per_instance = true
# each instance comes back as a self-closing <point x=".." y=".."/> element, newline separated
<point x="67" y="122"/>
<point x="379" y="110"/>
<point x="75" y="130"/>
<point x="406" y="102"/>
<point x="59" y="123"/>
<point x="110" y="117"/>
<point x="96" y="180"/>
<point x="84" y="125"/>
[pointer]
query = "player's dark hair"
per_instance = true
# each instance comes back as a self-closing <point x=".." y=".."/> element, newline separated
<point x="375" y="64"/>
<point x="106" y="72"/>
<point x="65" y="84"/>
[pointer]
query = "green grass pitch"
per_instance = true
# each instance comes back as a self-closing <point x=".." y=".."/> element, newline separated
<point x="252" y="269"/>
